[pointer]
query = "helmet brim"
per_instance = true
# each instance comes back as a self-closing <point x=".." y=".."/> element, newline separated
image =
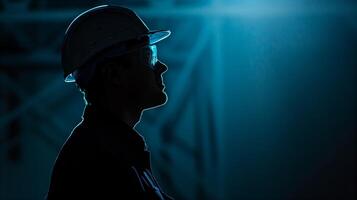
<point x="158" y="35"/>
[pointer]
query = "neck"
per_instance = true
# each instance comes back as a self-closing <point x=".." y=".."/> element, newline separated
<point x="128" y="114"/>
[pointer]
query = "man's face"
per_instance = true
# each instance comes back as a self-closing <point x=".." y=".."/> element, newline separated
<point x="143" y="78"/>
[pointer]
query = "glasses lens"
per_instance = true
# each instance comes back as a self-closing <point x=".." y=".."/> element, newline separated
<point x="153" y="57"/>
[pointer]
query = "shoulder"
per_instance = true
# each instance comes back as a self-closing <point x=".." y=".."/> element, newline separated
<point x="93" y="143"/>
<point x="90" y="160"/>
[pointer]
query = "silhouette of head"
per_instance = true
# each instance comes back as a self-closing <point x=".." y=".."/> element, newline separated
<point x="110" y="53"/>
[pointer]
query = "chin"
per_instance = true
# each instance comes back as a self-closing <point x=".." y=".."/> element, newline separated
<point x="158" y="100"/>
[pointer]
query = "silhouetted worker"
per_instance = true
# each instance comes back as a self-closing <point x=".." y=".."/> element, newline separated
<point x="110" y="54"/>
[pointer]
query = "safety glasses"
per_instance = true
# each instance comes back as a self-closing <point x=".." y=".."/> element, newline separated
<point x="153" y="56"/>
<point x="146" y="56"/>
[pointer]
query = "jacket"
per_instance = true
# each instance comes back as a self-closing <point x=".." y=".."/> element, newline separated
<point x="103" y="158"/>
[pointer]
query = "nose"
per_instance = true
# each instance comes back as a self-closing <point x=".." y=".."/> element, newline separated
<point x="160" y="67"/>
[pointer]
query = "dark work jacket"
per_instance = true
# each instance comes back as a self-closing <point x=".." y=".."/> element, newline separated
<point x="103" y="158"/>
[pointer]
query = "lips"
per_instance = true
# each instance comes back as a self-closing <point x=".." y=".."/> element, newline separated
<point x="161" y="85"/>
<point x="159" y="81"/>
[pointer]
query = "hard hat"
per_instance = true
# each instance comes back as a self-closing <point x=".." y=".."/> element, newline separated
<point x="103" y="30"/>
